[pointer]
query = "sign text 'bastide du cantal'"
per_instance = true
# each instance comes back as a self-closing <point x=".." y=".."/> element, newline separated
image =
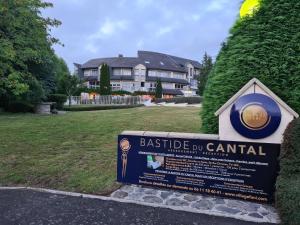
<point x="240" y="162"/>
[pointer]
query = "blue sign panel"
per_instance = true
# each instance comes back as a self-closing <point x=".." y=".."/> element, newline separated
<point x="255" y="116"/>
<point x="241" y="170"/>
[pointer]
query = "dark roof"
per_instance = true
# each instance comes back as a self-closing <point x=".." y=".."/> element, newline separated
<point x="95" y="63"/>
<point x="168" y="80"/>
<point x="170" y="61"/>
<point x="172" y="92"/>
<point x="159" y="61"/>
<point x="152" y="60"/>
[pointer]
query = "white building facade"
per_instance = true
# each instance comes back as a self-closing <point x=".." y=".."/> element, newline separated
<point x="178" y="75"/>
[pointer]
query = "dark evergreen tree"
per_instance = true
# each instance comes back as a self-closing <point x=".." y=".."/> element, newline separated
<point x="105" y="88"/>
<point x="206" y="67"/>
<point x="265" y="45"/>
<point x="158" y="89"/>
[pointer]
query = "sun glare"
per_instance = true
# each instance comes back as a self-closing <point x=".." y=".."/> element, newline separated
<point x="248" y="7"/>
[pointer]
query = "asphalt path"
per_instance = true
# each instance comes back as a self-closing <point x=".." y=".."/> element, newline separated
<point x="27" y="207"/>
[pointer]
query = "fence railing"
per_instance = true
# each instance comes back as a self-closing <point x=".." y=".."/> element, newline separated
<point x="107" y="100"/>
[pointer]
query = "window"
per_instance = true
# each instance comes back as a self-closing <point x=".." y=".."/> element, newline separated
<point x="147" y="62"/>
<point x="142" y="84"/>
<point x="153" y="85"/>
<point x="94" y="72"/>
<point x="179" y="75"/>
<point x="179" y="86"/>
<point x="152" y="73"/>
<point x="117" y="72"/>
<point x="122" y="72"/>
<point x="91" y="72"/>
<point x="115" y="86"/>
<point x="191" y="72"/>
<point x="159" y="73"/>
<point x="126" y="72"/>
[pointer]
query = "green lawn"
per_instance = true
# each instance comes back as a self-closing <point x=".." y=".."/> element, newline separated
<point x="77" y="151"/>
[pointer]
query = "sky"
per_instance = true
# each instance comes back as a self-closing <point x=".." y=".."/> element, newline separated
<point x="106" y="28"/>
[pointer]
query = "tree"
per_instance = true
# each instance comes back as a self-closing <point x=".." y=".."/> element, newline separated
<point x="265" y="45"/>
<point x="105" y="88"/>
<point x="69" y="85"/>
<point x="206" y="67"/>
<point x="61" y="72"/>
<point x="26" y="57"/>
<point x="158" y="89"/>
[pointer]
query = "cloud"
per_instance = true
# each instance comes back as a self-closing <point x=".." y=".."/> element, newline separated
<point x="92" y="29"/>
<point x="91" y="47"/>
<point x="217" y="5"/>
<point x="108" y="28"/>
<point x="164" y="30"/>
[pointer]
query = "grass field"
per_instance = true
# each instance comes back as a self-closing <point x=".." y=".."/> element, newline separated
<point x="77" y="151"/>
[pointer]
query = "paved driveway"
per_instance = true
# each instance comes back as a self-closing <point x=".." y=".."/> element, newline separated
<point x="27" y="207"/>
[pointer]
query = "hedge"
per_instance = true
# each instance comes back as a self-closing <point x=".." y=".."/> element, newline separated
<point x="99" y="107"/>
<point x="265" y="46"/>
<point x="121" y="92"/>
<point x="60" y="99"/>
<point x="288" y="181"/>
<point x="177" y="100"/>
<point x="136" y="93"/>
<point x="19" y="106"/>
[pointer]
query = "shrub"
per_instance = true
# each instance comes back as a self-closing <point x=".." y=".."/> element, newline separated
<point x="121" y="92"/>
<point x="265" y="46"/>
<point x="99" y="107"/>
<point x="177" y="100"/>
<point x="19" y="106"/>
<point x="288" y="181"/>
<point x="60" y="100"/>
<point x="143" y="93"/>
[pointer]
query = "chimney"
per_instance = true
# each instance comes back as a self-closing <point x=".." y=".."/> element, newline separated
<point x="120" y="55"/>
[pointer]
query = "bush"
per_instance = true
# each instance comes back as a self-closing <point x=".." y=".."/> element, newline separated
<point x="178" y="100"/>
<point x="288" y="181"/>
<point x="19" y="106"/>
<point x="60" y="100"/>
<point x="143" y="93"/>
<point x="121" y="92"/>
<point x="98" y="107"/>
<point x="265" y="46"/>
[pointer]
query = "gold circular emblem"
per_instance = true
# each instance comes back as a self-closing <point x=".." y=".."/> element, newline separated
<point x="125" y="145"/>
<point x="255" y="117"/>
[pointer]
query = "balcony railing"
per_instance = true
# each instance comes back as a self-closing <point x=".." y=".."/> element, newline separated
<point x="93" y="86"/>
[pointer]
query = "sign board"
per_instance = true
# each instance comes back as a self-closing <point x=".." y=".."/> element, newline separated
<point x="240" y="163"/>
<point x="240" y="170"/>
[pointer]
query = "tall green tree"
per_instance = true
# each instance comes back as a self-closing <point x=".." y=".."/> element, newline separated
<point x="26" y="57"/>
<point x="105" y="88"/>
<point x="265" y="45"/>
<point x="61" y="71"/>
<point x="206" y="67"/>
<point x="158" y="89"/>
